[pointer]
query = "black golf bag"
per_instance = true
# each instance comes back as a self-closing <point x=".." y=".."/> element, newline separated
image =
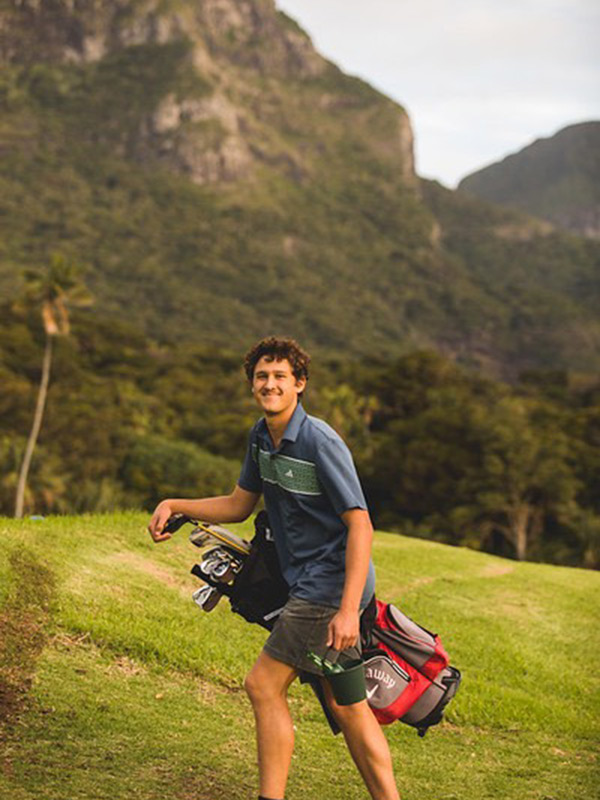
<point x="259" y="591"/>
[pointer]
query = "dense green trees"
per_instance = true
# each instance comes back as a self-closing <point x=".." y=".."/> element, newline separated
<point x="321" y="231"/>
<point x="474" y="462"/>
<point x="443" y="453"/>
<point x="157" y="466"/>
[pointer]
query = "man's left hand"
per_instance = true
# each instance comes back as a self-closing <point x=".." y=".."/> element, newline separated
<point x="344" y="630"/>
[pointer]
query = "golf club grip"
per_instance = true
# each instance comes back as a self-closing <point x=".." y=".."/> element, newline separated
<point x="175" y="522"/>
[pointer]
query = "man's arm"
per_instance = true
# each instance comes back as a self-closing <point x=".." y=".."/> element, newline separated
<point x="344" y="628"/>
<point x="234" y="507"/>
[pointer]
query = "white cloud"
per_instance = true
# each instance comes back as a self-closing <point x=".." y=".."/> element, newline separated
<point x="479" y="77"/>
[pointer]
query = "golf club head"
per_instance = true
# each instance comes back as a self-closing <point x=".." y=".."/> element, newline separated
<point x="201" y="595"/>
<point x="219" y="568"/>
<point x="216" y="553"/>
<point x="211" y="600"/>
<point x="223" y="571"/>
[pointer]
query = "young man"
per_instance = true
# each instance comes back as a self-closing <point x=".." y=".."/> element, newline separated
<point x="323" y="536"/>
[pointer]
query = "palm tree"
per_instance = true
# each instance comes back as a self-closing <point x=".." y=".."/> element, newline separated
<point x="53" y="291"/>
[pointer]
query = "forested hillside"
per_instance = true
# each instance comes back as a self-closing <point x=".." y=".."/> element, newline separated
<point x="442" y="453"/>
<point x="557" y="179"/>
<point x="214" y="180"/>
<point x="213" y="174"/>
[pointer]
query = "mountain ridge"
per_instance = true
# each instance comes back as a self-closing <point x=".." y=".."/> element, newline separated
<point x="556" y="178"/>
<point x="202" y="157"/>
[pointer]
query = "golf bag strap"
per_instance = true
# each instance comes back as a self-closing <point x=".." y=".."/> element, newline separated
<point x="367" y="621"/>
<point x="315" y="684"/>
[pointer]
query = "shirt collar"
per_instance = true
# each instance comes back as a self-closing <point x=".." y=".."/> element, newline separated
<point x="293" y="427"/>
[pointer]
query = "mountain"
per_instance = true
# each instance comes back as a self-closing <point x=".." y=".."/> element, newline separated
<point x="220" y="180"/>
<point x="557" y="179"/>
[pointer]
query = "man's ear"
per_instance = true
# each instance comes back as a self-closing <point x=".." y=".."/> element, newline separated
<point x="300" y="384"/>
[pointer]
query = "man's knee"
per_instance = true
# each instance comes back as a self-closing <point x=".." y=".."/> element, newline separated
<point x="268" y="680"/>
<point x="256" y="686"/>
<point x="262" y="685"/>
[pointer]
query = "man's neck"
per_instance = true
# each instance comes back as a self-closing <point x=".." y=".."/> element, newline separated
<point x="277" y="423"/>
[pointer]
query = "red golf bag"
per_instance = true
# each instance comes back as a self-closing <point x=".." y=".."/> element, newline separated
<point x="407" y="670"/>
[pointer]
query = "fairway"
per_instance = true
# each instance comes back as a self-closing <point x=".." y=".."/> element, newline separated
<point x="138" y="694"/>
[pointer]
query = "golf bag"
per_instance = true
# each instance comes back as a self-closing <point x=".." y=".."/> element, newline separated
<point x="407" y="670"/>
<point x="255" y="586"/>
<point x="260" y="591"/>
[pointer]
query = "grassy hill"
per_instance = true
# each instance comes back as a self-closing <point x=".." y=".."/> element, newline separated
<point x="137" y="694"/>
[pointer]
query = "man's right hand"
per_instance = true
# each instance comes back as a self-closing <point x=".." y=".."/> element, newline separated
<point x="161" y="514"/>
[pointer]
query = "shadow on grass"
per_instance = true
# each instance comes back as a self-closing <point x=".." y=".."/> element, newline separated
<point x="24" y="618"/>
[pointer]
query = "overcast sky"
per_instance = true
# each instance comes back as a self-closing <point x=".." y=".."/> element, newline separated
<point x="479" y="78"/>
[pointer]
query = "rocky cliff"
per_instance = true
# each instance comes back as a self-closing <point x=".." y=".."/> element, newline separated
<point x="233" y="64"/>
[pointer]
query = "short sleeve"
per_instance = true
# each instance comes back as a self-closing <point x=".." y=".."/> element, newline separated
<point x="250" y="476"/>
<point x="337" y="475"/>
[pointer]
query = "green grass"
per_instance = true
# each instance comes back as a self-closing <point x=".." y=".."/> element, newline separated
<point x="137" y="694"/>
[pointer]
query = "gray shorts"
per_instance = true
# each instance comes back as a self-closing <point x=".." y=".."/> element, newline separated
<point x="300" y="628"/>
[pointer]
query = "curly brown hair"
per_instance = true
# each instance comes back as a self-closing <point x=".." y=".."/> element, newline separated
<point x="276" y="349"/>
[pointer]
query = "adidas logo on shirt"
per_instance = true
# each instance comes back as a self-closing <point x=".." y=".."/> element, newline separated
<point x="291" y="474"/>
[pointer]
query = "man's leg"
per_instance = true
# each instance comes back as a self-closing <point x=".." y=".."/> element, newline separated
<point x="267" y="685"/>
<point x="367" y="745"/>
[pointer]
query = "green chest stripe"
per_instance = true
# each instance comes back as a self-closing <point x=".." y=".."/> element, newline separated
<point x="292" y="474"/>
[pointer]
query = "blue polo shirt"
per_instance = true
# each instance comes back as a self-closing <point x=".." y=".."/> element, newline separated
<point x="307" y="482"/>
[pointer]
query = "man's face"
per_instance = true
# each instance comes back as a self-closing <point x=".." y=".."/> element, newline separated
<point x="274" y="386"/>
